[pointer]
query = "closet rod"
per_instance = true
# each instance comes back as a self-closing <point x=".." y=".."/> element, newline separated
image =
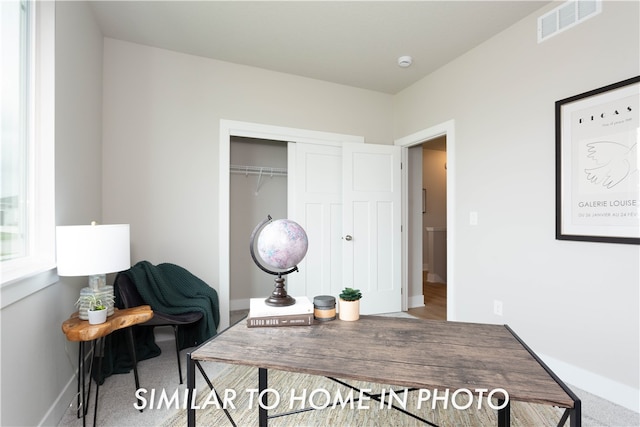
<point x="258" y="170"/>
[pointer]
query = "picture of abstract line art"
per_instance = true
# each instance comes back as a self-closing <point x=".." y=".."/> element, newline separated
<point x="597" y="176"/>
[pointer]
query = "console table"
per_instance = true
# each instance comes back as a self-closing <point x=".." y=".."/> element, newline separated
<point x="416" y="353"/>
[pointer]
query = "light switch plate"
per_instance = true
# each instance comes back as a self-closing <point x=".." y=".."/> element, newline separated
<point x="473" y="218"/>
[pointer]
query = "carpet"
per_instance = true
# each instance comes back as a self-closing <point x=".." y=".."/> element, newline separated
<point x="236" y="382"/>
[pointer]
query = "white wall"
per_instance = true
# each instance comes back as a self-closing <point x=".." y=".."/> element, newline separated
<point x="576" y="303"/>
<point x="161" y="125"/>
<point x="37" y="361"/>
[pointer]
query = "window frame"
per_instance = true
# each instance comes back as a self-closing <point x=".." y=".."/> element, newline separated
<point x="28" y="274"/>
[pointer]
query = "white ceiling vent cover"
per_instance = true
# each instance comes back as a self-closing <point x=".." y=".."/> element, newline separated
<point x="565" y="16"/>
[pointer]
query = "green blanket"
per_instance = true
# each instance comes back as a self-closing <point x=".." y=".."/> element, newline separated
<point x="170" y="289"/>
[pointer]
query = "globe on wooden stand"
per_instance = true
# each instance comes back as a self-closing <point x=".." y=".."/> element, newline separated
<point x="281" y="244"/>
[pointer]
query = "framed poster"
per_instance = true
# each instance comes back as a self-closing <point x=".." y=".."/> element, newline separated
<point x="597" y="177"/>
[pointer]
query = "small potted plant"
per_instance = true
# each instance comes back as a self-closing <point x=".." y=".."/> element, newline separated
<point x="349" y="304"/>
<point x="97" y="310"/>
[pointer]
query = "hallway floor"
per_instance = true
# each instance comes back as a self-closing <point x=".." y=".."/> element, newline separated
<point x="435" y="301"/>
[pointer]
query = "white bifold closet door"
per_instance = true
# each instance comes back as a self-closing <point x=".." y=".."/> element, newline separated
<point x="347" y="197"/>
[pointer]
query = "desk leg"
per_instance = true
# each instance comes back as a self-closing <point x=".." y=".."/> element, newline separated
<point x="576" y="414"/>
<point x="191" y="387"/>
<point x="504" y="414"/>
<point x="262" y="405"/>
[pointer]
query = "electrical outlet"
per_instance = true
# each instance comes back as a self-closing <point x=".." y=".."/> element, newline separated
<point x="497" y="307"/>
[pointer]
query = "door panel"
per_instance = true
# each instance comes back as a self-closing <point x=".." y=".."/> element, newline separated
<point x="316" y="177"/>
<point x="372" y="217"/>
<point x="353" y="190"/>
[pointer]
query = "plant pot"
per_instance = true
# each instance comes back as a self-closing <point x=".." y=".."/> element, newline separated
<point x="97" y="316"/>
<point x="349" y="310"/>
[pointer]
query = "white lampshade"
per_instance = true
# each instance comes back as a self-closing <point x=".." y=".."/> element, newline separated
<point x="85" y="250"/>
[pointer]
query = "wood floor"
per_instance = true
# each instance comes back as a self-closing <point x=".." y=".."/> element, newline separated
<point x="435" y="301"/>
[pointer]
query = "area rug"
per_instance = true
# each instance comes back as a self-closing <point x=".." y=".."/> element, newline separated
<point x="335" y="408"/>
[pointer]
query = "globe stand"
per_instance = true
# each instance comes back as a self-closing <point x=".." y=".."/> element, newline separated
<point x="279" y="296"/>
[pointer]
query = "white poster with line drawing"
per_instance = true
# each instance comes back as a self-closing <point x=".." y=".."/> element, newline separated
<point x="598" y="181"/>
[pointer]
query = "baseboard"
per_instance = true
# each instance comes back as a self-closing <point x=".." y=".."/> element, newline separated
<point x="163" y="333"/>
<point x="243" y="304"/>
<point x="65" y="398"/>
<point x="613" y="391"/>
<point x="416" y="301"/>
<point x="435" y="278"/>
<point x="60" y="405"/>
<point x="239" y="304"/>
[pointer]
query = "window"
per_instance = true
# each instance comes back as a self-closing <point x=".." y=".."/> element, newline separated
<point x="27" y="222"/>
<point x="15" y="49"/>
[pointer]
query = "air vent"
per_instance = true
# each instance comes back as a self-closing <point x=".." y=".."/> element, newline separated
<point x="567" y="15"/>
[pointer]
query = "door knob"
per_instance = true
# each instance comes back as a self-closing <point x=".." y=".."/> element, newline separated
<point x="348" y="237"/>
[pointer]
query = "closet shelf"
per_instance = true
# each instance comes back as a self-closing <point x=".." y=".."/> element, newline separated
<point x="261" y="171"/>
<point x="258" y="170"/>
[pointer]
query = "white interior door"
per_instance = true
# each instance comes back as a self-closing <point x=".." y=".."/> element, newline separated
<point x="371" y="195"/>
<point x="348" y="189"/>
<point x="315" y="202"/>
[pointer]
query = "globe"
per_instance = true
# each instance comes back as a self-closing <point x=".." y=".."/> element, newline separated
<point x="282" y="244"/>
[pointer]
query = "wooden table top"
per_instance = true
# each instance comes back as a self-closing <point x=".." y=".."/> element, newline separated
<point x="81" y="330"/>
<point x="428" y="354"/>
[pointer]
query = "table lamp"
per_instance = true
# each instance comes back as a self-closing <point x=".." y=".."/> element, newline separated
<point x="93" y="250"/>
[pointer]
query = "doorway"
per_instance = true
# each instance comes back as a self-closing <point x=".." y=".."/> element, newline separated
<point x="434" y="228"/>
<point x="440" y="138"/>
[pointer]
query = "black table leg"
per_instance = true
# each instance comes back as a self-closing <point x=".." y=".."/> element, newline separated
<point x="81" y="380"/>
<point x="576" y="414"/>
<point x="98" y="377"/>
<point x="86" y="392"/>
<point x="504" y="414"/>
<point x="132" y="350"/>
<point x="191" y="387"/>
<point x="262" y="408"/>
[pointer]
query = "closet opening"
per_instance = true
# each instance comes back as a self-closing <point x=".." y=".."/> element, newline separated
<point x="258" y="187"/>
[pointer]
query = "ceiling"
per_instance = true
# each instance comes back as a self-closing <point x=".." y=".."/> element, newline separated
<point x="354" y="43"/>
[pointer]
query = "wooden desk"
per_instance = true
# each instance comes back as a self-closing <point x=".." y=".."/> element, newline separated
<point x="424" y="354"/>
<point x="82" y="331"/>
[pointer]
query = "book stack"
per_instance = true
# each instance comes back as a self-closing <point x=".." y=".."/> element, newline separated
<point x="263" y="315"/>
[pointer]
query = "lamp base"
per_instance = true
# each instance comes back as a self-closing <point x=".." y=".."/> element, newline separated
<point x="279" y="297"/>
<point x="101" y="292"/>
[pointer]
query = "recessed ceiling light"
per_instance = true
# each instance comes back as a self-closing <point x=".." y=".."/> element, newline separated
<point x="405" y="61"/>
